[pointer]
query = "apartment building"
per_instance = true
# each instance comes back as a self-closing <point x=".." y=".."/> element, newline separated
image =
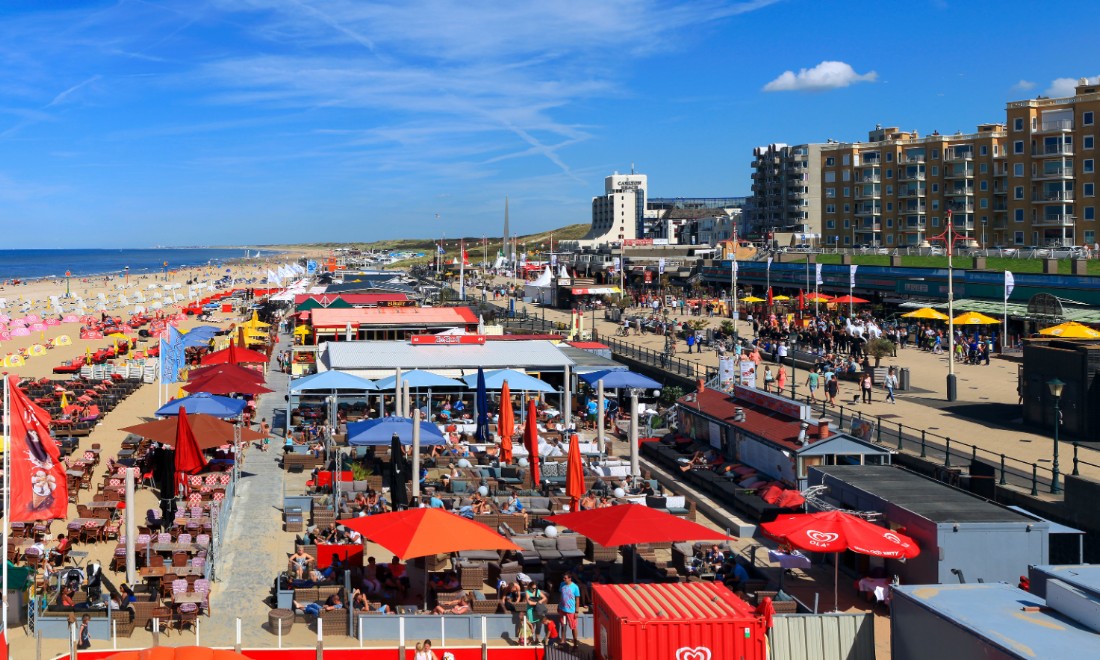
<point x="1052" y="169"/>
<point x="786" y="190"/>
<point x="895" y="189"/>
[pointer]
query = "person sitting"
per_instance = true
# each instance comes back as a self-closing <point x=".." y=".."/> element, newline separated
<point x="697" y="461"/>
<point x="359" y="601"/>
<point x="333" y="602"/>
<point x="513" y="505"/>
<point x="458" y="606"/>
<point x="588" y="502"/>
<point x="445" y="582"/>
<point x="60" y="550"/>
<point x="479" y="505"/>
<point x="370" y="577"/>
<point x="299" y="561"/>
<point x="395" y="577"/>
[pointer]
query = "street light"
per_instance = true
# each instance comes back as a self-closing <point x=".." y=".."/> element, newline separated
<point x="1056" y="386"/>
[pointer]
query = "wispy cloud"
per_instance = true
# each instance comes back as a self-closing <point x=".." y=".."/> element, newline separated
<point x="824" y="76"/>
<point x="1024" y="85"/>
<point x="64" y="96"/>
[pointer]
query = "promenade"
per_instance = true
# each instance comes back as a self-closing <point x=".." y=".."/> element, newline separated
<point x="985" y="416"/>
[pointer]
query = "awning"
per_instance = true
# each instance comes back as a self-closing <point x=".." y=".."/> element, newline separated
<point x="598" y="291"/>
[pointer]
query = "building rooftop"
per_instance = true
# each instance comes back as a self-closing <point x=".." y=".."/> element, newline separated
<point x="995" y="613"/>
<point x="928" y="498"/>
<point x="373" y="359"/>
<point x="1085" y="577"/>
<point x="328" y="317"/>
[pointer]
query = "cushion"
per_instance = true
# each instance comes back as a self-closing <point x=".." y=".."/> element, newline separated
<point x="543" y="543"/>
<point x="656" y="502"/>
<point x="675" y="502"/>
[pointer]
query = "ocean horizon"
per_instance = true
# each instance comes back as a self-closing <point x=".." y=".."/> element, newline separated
<point x="40" y="263"/>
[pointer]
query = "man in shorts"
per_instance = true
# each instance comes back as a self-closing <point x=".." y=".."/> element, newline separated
<point x="570" y="594"/>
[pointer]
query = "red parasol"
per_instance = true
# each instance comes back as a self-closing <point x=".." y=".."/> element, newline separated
<point x="848" y="299"/>
<point x="771" y="299"/>
<point x="574" y="476"/>
<point x="801" y="299"/>
<point x="531" y="441"/>
<point x="189" y="458"/>
<point x="235" y="355"/>
<point x="422" y="532"/>
<point x="206" y="372"/>
<point x="506" y="424"/>
<point x="628" y="524"/>
<point x="226" y="383"/>
<point x="209" y="431"/>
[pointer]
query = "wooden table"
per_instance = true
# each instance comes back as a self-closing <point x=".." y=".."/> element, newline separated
<point x="189" y="548"/>
<point x="189" y="597"/>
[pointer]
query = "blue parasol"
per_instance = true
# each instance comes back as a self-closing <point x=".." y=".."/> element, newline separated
<point x="207" y="404"/>
<point x="482" y="400"/>
<point x="617" y="380"/>
<point x="379" y="432"/>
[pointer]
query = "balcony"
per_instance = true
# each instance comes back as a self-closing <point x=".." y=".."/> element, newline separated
<point x="914" y="228"/>
<point x="960" y="157"/>
<point x="914" y="192"/>
<point x="914" y="159"/>
<point x="1053" y="150"/>
<point x="910" y="176"/>
<point x="961" y="207"/>
<point x="959" y="173"/>
<point x="1054" y="126"/>
<point x="1053" y="220"/>
<point x="868" y="210"/>
<point x="1053" y="196"/>
<point x="913" y="208"/>
<point x="874" y="193"/>
<point x="959" y="192"/>
<point x="1054" y="173"/>
<point x="999" y="223"/>
<point x="874" y="178"/>
<point x="869" y="226"/>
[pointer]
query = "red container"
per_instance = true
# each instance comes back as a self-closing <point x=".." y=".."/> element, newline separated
<point x="676" y="621"/>
<point x="227" y="308"/>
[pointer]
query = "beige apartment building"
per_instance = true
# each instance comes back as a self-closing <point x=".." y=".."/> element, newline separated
<point x="1052" y="160"/>
<point x="786" y="189"/>
<point x="895" y="189"/>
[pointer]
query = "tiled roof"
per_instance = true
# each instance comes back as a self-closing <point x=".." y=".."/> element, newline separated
<point x="780" y="429"/>
<point x="396" y="316"/>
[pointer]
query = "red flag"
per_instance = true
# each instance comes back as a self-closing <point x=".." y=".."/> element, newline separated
<point x="771" y="300"/>
<point x="37" y="484"/>
<point x="801" y="299"/>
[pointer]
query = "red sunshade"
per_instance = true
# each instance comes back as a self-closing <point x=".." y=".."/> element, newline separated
<point x="628" y="524"/>
<point x="421" y="532"/>
<point x="209" y="431"/>
<point x="201" y="373"/>
<point x="836" y="531"/>
<point x="574" y="476"/>
<point x="531" y="441"/>
<point x="506" y="423"/>
<point x="235" y="355"/>
<point x="849" y="299"/>
<point x="189" y="458"/>
<point x="226" y="383"/>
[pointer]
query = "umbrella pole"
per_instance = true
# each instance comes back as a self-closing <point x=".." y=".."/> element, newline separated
<point x="416" y="456"/>
<point x="599" y="416"/>
<point x="836" y="576"/>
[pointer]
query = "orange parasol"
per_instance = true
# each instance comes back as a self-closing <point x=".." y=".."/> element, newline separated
<point x="506" y="423"/>
<point x="574" y="477"/>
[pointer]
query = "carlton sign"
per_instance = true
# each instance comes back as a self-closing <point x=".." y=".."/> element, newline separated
<point x="447" y="340"/>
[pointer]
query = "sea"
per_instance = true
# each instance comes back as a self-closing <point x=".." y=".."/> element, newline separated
<point x="35" y="264"/>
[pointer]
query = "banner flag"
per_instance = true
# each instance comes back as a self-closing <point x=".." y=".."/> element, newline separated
<point x="37" y="486"/>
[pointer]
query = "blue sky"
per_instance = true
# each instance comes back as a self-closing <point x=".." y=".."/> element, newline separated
<point x="134" y="123"/>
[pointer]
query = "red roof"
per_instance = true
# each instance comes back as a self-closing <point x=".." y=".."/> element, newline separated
<point x="522" y="337"/>
<point x="351" y="298"/>
<point x="396" y="316"/>
<point x="780" y="429"/>
<point x="682" y="601"/>
<point x="589" y="345"/>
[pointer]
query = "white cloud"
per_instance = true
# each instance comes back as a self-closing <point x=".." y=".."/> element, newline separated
<point x="1024" y="85"/>
<point x="1064" y="86"/>
<point x="827" y="75"/>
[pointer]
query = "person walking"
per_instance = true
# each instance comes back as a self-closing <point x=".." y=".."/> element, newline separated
<point x="690" y="341"/>
<point x="811" y="383"/>
<point x="890" y="383"/>
<point x="832" y="388"/>
<point x="865" y="385"/>
<point x="781" y="380"/>
<point x="768" y="378"/>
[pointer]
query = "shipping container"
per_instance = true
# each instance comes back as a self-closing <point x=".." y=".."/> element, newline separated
<point x="675" y="621"/>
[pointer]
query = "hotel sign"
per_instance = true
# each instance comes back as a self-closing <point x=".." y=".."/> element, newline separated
<point x="447" y="340"/>
<point x="396" y="303"/>
<point x="779" y="404"/>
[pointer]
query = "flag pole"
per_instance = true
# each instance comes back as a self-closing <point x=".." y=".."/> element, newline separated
<point x="7" y="511"/>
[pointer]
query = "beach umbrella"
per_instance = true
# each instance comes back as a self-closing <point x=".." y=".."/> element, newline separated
<point x="926" y="313"/>
<point x="417" y="379"/>
<point x="481" y="431"/>
<point x="975" y="318"/>
<point x="506" y="424"/>
<point x="837" y="531"/>
<point x="225" y="383"/>
<point x="218" y="406"/>
<point x="574" y="475"/>
<point x="752" y="299"/>
<point x="618" y="379"/>
<point x="189" y="458"/>
<point x="235" y="355"/>
<point x="1071" y="330"/>
<point x="520" y="381"/>
<point x="531" y="441"/>
<point x="330" y="381"/>
<point x="781" y="298"/>
<point x="816" y="297"/>
<point x="202" y="373"/>
<point x="399" y="474"/>
<point x="209" y="431"/>
<point x="379" y="432"/>
<point x="771" y="298"/>
<point x="846" y="300"/>
<point x="424" y="532"/>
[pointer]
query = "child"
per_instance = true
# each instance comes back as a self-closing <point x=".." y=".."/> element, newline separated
<point x="551" y="628"/>
<point x="84" y="634"/>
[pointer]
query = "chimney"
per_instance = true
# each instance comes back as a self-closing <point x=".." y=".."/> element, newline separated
<point x="822" y="429"/>
<point x="802" y="437"/>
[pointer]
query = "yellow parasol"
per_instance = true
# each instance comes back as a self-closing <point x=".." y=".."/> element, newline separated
<point x="752" y="299"/>
<point x="64" y="400"/>
<point x="781" y="297"/>
<point x="301" y="330"/>
<point x="975" y="318"/>
<point x="1071" y="330"/>
<point x="927" y="313"/>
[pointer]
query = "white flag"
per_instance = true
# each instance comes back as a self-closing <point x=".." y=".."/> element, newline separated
<point x="735" y="268"/>
<point x="617" y="264"/>
<point x="553" y="260"/>
<point x="852" y="275"/>
<point x="661" y="266"/>
<point x="769" y="263"/>
<point x="819" y="280"/>
<point x="1010" y="283"/>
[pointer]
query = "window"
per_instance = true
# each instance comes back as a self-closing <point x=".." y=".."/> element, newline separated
<point x="889" y="173"/>
<point x="889" y="190"/>
<point x="846" y="159"/>
<point x="935" y="154"/>
<point x="846" y="175"/>
<point x="1088" y="140"/>
<point x="847" y="208"/>
<point x="984" y="203"/>
<point x="830" y="193"/>
<point x="1086" y="118"/>
<point x="830" y="161"/>
<point x="935" y="205"/>
<point x="935" y="171"/>
<point x="830" y="208"/>
<point x="830" y="224"/>
<point x="889" y="158"/>
<point x="1018" y="192"/>
<point x="889" y="239"/>
<point x="1019" y="215"/>
<point x="1089" y="189"/>
<point x="830" y="177"/>
<point x="935" y="187"/>
<point x="847" y="191"/>
<point x="1090" y="236"/>
<point x="935" y="221"/>
<point x="983" y="185"/>
<point x="983" y="168"/>
<point x="1018" y="238"/>
<point x="1018" y="124"/>
<point x="847" y="223"/>
<point x="889" y="222"/>
<point x="1090" y="213"/>
<point x="847" y="240"/>
<point x="1018" y="169"/>
<point x="1018" y="147"/>
<point x="889" y="206"/>
<point x="1087" y="166"/>
<point x="984" y="150"/>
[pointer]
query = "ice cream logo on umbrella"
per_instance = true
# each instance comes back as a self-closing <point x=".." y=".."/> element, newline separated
<point x="892" y="537"/>
<point x="696" y="653"/>
<point x="821" y="538"/>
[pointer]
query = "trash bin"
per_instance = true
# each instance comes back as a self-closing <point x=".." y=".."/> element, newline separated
<point x="903" y="379"/>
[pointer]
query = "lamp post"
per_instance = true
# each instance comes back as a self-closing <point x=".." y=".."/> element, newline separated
<point x="1056" y="386"/>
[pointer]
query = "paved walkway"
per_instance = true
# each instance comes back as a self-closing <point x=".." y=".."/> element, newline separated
<point x="254" y="548"/>
<point x="986" y="413"/>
